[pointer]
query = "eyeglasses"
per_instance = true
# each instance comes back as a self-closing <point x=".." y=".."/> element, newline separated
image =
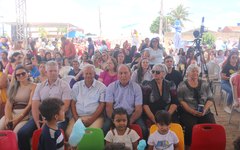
<point x="21" y="74"/>
<point x="156" y="71"/>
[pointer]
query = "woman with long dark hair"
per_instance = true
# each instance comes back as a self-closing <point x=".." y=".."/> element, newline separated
<point x="18" y="105"/>
<point x="229" y="67"/>
<point x="142" y="73"/>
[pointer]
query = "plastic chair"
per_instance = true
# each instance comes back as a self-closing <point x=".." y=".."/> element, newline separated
<point x="208" y="137"/>
<point x="177" y="129"/>
<point x="93" y="139"/>
<point x="8" y="140"/>
<point x="233" y="108"/>
<point x="138" y="129"/>
<point x="36" y="136"/>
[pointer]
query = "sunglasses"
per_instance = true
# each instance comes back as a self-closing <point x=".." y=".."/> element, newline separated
<point x="156" y="71"/>
<point x="21" y="74"/>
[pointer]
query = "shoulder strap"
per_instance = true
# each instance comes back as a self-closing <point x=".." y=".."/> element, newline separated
<point x="113" y="132"/>
<point x="129" y="130"/>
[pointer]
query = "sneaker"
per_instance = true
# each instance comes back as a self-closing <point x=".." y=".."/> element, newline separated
<point x="227" y="109"/>
<point x="237" y="109"/>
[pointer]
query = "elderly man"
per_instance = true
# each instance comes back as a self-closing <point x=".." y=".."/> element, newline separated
<point x="127" y="94"/>
<point x="52" y="87"/>
<point x="88" y="100"/>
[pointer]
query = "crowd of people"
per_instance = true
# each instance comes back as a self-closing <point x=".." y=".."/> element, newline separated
<point x="109" y="89"/>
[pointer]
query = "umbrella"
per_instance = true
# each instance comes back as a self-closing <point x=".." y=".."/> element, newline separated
<point x="73" y="34"/>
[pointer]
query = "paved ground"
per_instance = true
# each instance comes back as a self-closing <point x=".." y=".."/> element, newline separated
<point x="232" y="129"/>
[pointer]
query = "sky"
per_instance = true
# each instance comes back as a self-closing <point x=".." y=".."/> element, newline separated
<point x="119" y="17"/>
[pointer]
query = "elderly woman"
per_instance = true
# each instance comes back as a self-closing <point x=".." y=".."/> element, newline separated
<point x="159" y="94"/>
<point x="18" y="105"/>
<point x="196" y="99"/>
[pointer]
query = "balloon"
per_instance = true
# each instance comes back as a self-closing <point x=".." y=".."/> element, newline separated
<point x="141" y="145"/>
<point x="77" y="133"/>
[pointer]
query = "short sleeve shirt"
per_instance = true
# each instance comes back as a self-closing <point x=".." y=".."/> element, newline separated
<point x="124" y="96"/>
<point x="130" y="136"/>
<point x="59" y="89"/>
<point x="163" y="142"/>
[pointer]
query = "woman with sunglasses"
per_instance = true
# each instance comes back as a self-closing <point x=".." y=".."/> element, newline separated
<point x="19" y="101"/>
<point x="159" y="94"/>
<point x="157" y="52"/>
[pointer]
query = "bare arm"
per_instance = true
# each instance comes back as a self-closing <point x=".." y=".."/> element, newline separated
<point x="66" y="104"/>
<point x="3" y="81"/>
<point x="74" y="110"/>
<point x="135" y="144"/>
<point x="150" y="147"/>
<point x="97" y="113"/>
<point x="109" y="109"/>
<point x="136" y="114"/>
<point x="176" y="146"/>
<point x="172" y="108"/>
<point x="35" y="112"/>
<point x="224" y="77"/>
<point x="149" y="113"/>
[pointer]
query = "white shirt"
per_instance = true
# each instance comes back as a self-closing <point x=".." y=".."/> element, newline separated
<point x="127" y="138"/>
<point x="163" y="142"/>
<point x="87" y="99"/>
<point x="158" y="54"/>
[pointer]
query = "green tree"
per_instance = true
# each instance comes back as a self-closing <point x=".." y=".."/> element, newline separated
<point x="62" y="30"/>
<point x="154" y="28"/>
<point x="43" y="32"/>
<point x="179" y="13"/>
<point x="209" y="39"/>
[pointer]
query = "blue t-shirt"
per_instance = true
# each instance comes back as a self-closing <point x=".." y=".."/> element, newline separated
<point x="51" y="139"/>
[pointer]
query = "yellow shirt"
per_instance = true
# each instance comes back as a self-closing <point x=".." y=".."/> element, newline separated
<point x="3" y="93"/>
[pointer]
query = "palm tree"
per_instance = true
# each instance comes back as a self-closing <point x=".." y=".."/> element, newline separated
<point x="180" y="13"/>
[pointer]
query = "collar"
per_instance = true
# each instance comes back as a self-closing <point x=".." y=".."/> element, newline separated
<point x="54" y="84"/>
<point x="118" y="82"/>
<point x="93" y="84"/>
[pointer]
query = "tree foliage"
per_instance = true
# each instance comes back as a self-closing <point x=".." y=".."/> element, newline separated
<point x="209" y="39"/>
<point x="43" y="32"/>
<point x="179" y="13"/>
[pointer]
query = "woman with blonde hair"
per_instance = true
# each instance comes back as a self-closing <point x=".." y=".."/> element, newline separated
<point x="19" y="101"/>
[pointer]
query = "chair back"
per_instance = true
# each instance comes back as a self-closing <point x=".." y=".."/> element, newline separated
<point x="208" y="137"/>
<point x="35" y="138"/>
<point x="8" y="140"/>
<point x="213" y="71"/>
<point x="93" y="139"/>
<point x="177" y="129"/>
<point x="138" y="129"/>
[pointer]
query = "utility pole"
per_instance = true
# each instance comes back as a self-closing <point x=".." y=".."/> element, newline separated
<point x="161" y="21"/>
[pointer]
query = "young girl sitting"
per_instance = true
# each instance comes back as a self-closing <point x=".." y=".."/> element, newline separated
<point x="163" y="138"/>
<point x="120" y="133"/>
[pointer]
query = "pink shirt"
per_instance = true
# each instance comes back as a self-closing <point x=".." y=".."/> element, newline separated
<point x="236" y="82"/>
<point x="107" y="78"/>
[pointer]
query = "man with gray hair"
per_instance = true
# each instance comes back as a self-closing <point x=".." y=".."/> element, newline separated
<point x="127" y="94"/>
<point x="52" y="87"/>
<point x="88" y="100"/>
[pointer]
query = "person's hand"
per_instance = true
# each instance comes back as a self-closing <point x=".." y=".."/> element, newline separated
<point x="87" y="121"/>
<point x="197" y="113"/>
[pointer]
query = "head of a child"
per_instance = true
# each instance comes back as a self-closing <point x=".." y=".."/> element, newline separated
<point x="52" y="109"/>
<point x="120" y="119"/>
<point x="163" y="120"/>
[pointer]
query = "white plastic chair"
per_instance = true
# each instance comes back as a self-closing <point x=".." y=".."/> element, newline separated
<point x="233" y="108"/>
